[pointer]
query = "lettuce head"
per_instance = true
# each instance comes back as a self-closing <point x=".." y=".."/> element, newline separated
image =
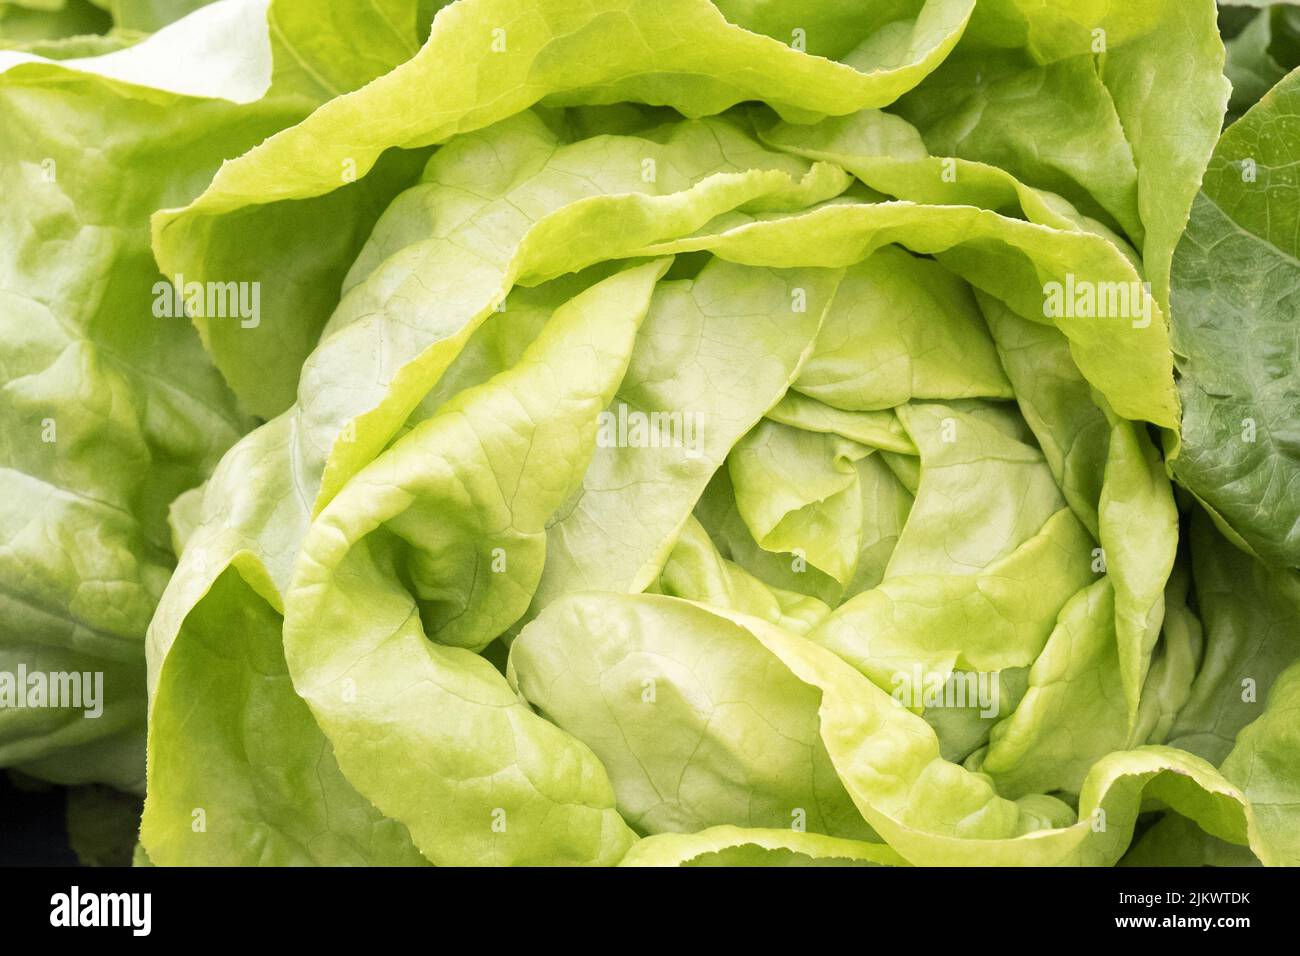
<point x="740" y="433"/>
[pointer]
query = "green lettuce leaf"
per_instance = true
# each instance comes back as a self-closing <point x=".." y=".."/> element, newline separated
<point x="110" y="408"/>
<point x="929" y="810"/>
<point x="734" y="846"/>
<point x="1236" y="283"/>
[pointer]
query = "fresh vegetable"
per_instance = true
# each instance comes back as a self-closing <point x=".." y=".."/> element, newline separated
<point x="678" y="433"/>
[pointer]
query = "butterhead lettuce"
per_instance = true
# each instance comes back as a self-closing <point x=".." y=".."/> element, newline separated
<point x="673" y="433"/>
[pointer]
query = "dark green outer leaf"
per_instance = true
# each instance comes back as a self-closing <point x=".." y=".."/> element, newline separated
<point x="1236" y="336"/>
